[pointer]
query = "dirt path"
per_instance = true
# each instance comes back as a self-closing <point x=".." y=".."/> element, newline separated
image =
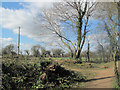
<point x="104" y="79"/>
<point x="99" y="78"/>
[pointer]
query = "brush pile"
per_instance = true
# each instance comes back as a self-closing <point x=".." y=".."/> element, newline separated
<point x="40" y="75"/>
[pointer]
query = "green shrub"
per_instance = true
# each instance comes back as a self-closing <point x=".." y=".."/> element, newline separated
<point x="19" y="76"/>
<point x="16" y="74"/>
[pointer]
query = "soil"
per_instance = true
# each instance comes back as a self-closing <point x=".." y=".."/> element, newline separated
<point x="98" y="78"/>
<point x="103" y="79"/>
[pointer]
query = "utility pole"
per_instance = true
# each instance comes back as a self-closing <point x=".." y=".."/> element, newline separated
<point x="18" y="41"/>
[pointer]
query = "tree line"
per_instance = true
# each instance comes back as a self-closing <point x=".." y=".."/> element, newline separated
<point x="36" y="51"/>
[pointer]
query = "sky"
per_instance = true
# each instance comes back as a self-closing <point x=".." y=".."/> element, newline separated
<point x="15" y="14"/>
<point x="25" y="15"/>
<point x="8" y="35"/>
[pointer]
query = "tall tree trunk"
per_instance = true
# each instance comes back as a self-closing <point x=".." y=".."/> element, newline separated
<point x="118" y="41"/>
<point x="72" y="55"/>
<point x="80" y="43"/>
<point x="88" y="52"/>
<point x="116" y="70"/>
<point x="119" y="28"/>
<point x="79" y="38"/>
<point x="77" y="54"/>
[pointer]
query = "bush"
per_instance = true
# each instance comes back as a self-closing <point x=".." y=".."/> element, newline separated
<point x="19" y="76"/>
<point x="41" y="75"/>
<point x="57" y="76"/>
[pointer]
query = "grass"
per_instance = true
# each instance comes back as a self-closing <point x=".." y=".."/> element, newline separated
<point x="30" y="62"/>
<point x="115" y="82"/>
<point x="115" y="85"/>
<point x="67" y="63"/>
<point x="86" y="71"/>
<point x="102" y="65"/>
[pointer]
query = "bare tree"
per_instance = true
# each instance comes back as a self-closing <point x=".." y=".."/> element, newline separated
<point x="118" y="6"/>
<point x="57" y="52"/>
<point x="9" y="49"/>
<point x="70" y="14"/>
<point x="36" y="50"/>
<point x="43" y="51"/>
<point x="27" y="52"/>
<point x="48" y="53"/>
<point x="109" y="15"/>
<point x="100" y="50"/>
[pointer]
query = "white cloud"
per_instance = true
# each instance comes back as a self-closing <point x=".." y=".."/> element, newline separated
<point x="5" y="41"/>
<point x="46" y="0"/>
<point x="38" y="0"/>
<point x="94" y="39"/>
<point x="28" y="20"/>
<point x="24" y="46"/>
<point x="58" y="0"/>
<point x="8" y="41"/>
